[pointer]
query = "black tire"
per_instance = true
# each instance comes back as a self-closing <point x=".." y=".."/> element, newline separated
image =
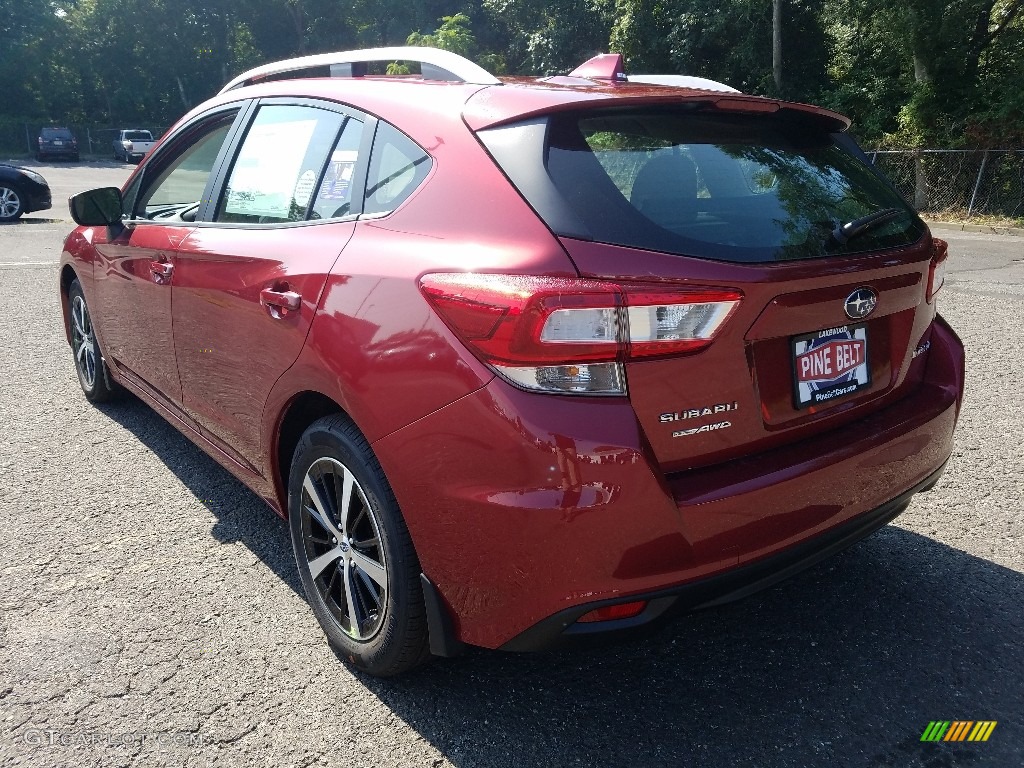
<point x="386" y="632"/>
<point x="12" y="202"/>
<point x="75" y="158"/>
<point x="92" y="371"/>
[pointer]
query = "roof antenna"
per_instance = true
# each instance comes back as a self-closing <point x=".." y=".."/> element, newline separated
<point x="604" y="66"/>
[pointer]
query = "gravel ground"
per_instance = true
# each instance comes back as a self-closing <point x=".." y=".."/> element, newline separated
<point x="150" y="611"/>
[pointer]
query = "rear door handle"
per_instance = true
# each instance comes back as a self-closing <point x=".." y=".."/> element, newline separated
<point x="288" y="301"/>
<point x="162" y="270"/>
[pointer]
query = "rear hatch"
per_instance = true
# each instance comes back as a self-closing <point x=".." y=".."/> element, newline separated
<point x="57" y="138"/>
<point x="769" y="202"/>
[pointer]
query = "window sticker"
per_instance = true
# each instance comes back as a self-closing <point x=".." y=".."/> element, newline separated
<point x="339" y="175"/>
<point x="304" y="189"/>
<point x="262" y="181"/>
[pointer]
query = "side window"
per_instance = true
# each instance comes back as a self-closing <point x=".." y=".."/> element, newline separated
<point x="397" y="167"/>
<point x="281" y="159"/>
<point x="334" y="198"/>
<point x="179" y="186"/>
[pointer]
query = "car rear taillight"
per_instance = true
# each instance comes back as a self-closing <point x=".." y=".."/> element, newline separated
<point x="937" y="269"/>
<point x="572" y="335"/>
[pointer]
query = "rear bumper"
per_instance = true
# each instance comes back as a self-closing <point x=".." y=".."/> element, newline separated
<point x="528" y="511"/>
<point x="562" y="629"/>
<point x="62" y="151"/>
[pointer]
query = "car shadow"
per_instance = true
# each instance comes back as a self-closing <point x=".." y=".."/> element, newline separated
<point x="84" y="162"/>
<point x="241" y="515"/>
<point x="29" y="218"/>
<point x="844" y="664"/>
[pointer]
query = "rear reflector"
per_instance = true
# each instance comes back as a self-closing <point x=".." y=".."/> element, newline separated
<point x="613" y="612"/>
<point x="570" y="335"/>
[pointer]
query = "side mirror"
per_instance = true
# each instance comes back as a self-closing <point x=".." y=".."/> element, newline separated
<point x="97" y="207"/>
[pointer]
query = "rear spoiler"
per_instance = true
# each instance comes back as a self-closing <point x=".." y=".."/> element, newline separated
<point x="491" y="107"/>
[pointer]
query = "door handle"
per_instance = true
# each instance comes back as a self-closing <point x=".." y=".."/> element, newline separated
<point x="162" y="270"/>
<point x="280" y="303"/>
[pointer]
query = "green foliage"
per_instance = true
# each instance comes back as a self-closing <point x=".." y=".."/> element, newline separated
<point x="910" y="74"/>
<point x="549" y="38"/>
<point x="453" y="35"/>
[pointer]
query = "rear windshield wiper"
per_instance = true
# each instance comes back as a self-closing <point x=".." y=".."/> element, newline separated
<point x="846" y="232"/>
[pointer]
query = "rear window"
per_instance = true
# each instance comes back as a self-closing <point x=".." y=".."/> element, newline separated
<point x="56" y="133"/>
<point x="138" y="136"/>
<point x="727" y="187"/>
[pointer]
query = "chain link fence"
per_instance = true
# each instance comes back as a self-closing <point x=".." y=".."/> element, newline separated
<point x="941" y="182"/>
<point x="18" y="139"/>
<point x="958" y="183"/>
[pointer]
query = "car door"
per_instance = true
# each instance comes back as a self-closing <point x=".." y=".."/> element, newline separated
<point x="248" y="279"/>
<point x="135" y="270"/>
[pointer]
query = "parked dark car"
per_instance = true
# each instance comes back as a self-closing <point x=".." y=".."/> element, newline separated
<point x="21" y="191"/>
<point x="57" y="142"/>
<point x="523" y="361"/>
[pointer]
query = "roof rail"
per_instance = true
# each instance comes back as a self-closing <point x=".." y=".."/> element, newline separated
<point x="435" y="64"/>
<point x="683" y="81"/>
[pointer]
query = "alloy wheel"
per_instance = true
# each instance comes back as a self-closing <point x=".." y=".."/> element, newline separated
<point x="83" y="342"/>
<point x="343" y="549"/>
<point x="10" y="203"/>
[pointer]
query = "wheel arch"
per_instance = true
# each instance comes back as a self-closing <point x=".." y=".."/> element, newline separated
<point x="67" y="277"/>
<point x="302" y="410"/>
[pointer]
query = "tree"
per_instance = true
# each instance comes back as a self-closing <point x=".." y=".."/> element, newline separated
<point x="551" y="38"/>
<point x="777" y="44"/>
<point x="453" y="35"/>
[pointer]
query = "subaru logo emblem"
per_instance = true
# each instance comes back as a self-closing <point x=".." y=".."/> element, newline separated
<point x="860" y="303"/>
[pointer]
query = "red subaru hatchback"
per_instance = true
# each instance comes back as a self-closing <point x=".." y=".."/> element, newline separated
<point x="523" y="361"/>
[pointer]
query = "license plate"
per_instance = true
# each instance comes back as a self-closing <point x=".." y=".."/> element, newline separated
<point x="58" y="143"/>
<point x="829" y="365"/>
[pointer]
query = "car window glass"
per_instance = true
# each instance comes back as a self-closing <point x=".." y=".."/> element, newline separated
<point x="180" y="186"/>
<point x="129" y="193"/>
<point x="138" y="136"/>
<point x="397" y="166"/>
<point x="729" y="187"/>
<point x="334" y="197"/>
<point x="281" y="159"/>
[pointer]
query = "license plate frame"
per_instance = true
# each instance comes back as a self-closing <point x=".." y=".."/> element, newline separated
<point x="829" y="365"/>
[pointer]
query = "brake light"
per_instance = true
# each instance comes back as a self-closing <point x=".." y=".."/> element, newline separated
<point x="572" y="335"/>
<point x="937" y="269"/>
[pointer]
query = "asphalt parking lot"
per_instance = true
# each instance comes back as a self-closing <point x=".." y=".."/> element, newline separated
<point x="151" y="613"/>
